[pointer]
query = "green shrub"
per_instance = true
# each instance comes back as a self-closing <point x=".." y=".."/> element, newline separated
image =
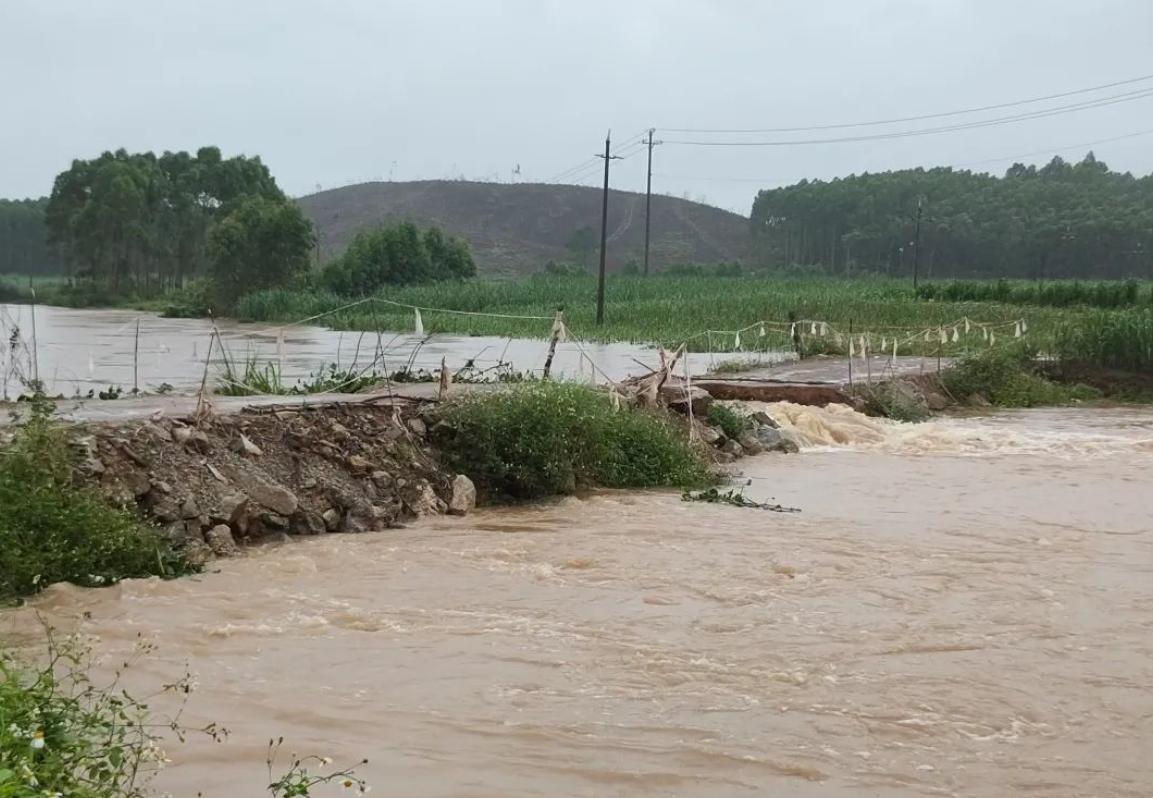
<point x="542" y="439"/>
<point x="53" y="531"/>
<point x="726" y="419"/>
<point x="1007" y="377"/>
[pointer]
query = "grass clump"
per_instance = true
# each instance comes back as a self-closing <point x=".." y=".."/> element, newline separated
<point x="728" y="421"/>
<point x="541" y="439"/>
<point x="1008" y="377"/>
<point x="54" y="531"/>
<point x="1120" y="340"/>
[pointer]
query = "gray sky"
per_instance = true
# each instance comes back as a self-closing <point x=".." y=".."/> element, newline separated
<point x="351" y="90"/>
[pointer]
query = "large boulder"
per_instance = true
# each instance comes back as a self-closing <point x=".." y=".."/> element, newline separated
<point x="265" y="492"/>
<point x="678" y="398"/>
<point x="219" y="539"/>
<point x="463" y="496"/>
<point x="420" y="499"/>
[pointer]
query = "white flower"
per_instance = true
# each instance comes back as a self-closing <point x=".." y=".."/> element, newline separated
<point x="37" y="740"/>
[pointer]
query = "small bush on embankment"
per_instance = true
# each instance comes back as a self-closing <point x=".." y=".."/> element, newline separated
<point x="54" y="531"/>
<point x="1008" y="377"/>
<point x="544" y="439"/>
<point x="728" y="421"/>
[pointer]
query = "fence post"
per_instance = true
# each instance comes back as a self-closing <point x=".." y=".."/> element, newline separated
<point x="136" y="361"/>
<point x="557" y="328"/>
<point x="850" y="353"/>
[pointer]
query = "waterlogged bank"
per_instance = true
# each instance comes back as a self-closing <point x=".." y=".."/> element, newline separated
<point x="89" y="350"/>
<point x="963" y="608"/>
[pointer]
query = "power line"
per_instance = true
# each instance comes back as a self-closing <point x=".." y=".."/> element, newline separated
<point x="995" y="122"/>
<point x="1055" y="149"/>
<point x="921" y="117"/>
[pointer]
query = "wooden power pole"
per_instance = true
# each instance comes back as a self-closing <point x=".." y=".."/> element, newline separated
<point x="649" y="199"/>
<point x="604" y="230"/>
<point x="917" y="244"/>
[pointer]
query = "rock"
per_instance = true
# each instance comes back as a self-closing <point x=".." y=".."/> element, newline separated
<point x="417" y="426"/>
<point x="198" y="441"/>
<point x="773" y="440"/>
<point x="165" y="511"/>
<point x="339" y="431"/>
<point x="463" y="499"/>
<point x="161" y="487"/>
<point x="764" y="419"/>
<point x="420" y="499"/>
<point x="196" y="552"/>
<point x="731" y="447"/>
<point x="266" y="493"/>
<point x="192" y="529"/>
<point x="158" y="433"/>
<point x="978" y="400"/>
<point x="231" y="507"/>
<point x="247" y="447"/>
<point x="220" y="540"/>
<point x="750" y="443"/>
<point x="137" y="483"/>
<point x="308" y="484"/>
<point x="723" y="457"/>
<point x="92" y="466"/>
<point x="273" y="521"/>
<point x="675" y="396"/>
<point x="331" y="519"/>
<point x="706" y="434"/>
<point x="308" y="523"/>
<point x="935" y="401"/>
<point x="181" y="435"/>
<point x="382" y="479"/>
<point x="189" y="508"/>
<point x="358" y="464"/>
<point x="359" y="518"/>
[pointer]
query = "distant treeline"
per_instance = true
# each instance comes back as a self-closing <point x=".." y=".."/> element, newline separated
<point x="1060" y="221"/>
<point x="23" y="239"/>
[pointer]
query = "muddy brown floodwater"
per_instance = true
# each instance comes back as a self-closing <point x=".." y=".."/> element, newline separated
<point x="963" y="608"/>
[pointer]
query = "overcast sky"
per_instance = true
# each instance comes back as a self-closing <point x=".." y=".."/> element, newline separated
<point x="342" y="91"/>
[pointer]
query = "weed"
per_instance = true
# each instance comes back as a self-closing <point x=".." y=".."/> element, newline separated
<point x="540" y="439"/>
<point x="729" y="421"/>
<point x="1008" y="377"/>
<point x="54" y="531"/>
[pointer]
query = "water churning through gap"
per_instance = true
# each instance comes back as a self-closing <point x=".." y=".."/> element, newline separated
<point x="964" y="607"/>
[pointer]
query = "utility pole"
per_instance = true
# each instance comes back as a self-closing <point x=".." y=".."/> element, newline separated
<point x="917" y="244"/>
<point x="604" y="230"/>
<point x="649" y="198"/>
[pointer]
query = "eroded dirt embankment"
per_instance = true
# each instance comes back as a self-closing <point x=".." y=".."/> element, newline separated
<point x="262" y="474"/>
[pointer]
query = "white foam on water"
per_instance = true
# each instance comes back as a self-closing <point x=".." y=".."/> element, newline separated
<point x="1062" y="433"/>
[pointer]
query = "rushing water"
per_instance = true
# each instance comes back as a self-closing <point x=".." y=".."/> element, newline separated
<point x="80" y="350"/>
<point x="963" y="608"/>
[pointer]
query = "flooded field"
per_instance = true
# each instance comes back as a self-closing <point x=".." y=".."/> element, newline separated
<point x="81" y="350"/>
<point x="963" y="608"/>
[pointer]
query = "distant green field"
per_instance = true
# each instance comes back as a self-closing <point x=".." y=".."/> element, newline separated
<point x="672" y="310"/>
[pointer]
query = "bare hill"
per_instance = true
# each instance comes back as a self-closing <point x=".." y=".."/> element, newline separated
<point x="516" y="228"/>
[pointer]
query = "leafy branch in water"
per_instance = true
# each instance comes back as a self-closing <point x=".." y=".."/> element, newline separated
<point x="736" y="498"/>
<point x="304" y="773"/>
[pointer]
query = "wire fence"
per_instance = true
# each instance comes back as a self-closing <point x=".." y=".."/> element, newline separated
<point x="256" y="361"/>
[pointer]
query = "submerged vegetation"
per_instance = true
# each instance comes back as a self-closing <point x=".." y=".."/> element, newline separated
<point x="1009" y="377"/>
<point x="1060" y="294"/>
<point x="542" y="439"/>
<point x="54" y="531"/>
<point x="665" y="310"/>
